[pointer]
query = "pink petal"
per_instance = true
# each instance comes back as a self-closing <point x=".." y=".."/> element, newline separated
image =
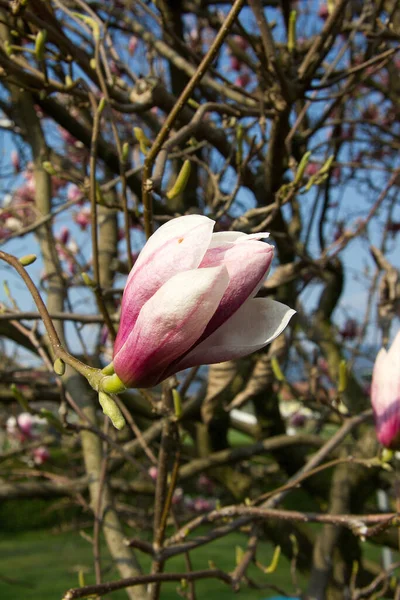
<point x="178" y="245"/>
<point x="257" y="323"/>
<point x="385" y="395"/>
<point x="378" y="387"/>
<point x="169" y="324"/>
<point x="388" y="426"/>
<point x="248" y="263"/>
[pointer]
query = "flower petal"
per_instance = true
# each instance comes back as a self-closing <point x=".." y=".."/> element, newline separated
<point x="378" y="387"/>
<point x="257" y="323"/>
<point x="178" y="245"/>
<point x="388" y="425"/>
<point x="248" y="263"/>
<point x="385" y="395"/>
<point x="232" y="236"/>
<point x="169" y="324"/>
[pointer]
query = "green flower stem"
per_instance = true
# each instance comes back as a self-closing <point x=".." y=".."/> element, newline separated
<point x="111" y="384"/>
<point x="109" y="369"/>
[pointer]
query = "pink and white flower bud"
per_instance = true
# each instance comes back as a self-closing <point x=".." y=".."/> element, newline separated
<point x="189" y="300"/>
<point x="64" y="235"/>
<point x="40" y="455"/>
<point x="82" y="218"/>
<point x="25" y="423"/>
<point x="153" y="472"/>
<point x="132" y="45"/>
<point x="385" y="395"/>
<point x="74" y="193"/>
<point x="15" y="161"/>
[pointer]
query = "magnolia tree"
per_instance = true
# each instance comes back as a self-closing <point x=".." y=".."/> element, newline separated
<point x="182" y="403"/>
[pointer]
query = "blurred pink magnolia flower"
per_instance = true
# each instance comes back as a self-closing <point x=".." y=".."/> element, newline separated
<point x="15" y="161"/>
<point x="385" y="395"/>
<point x="25" y="423"/>
<point x="153" y="472"/>
<point x="25" y="426"/>
<point x="189" y="300"/>
<point x="132" y="45"/>
<point x="242" y="80"/>
<point x="235" y="63"/>
<point x="312" y="169"/>
<point x="74" y="193"/>
<point x="64" y="235"/>
<point x="323" y="12"/>
<point x="203" y="504"/>
<point x="241" y="42"/>
<point x="82" y="218"/>
<point x="350" y="329"/>
<point x="40" y="455"/>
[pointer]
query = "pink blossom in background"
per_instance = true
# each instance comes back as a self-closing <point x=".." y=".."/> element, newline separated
<point x="82" y="218"/>
<point x="202" y="505"/>
<point x="241" y="42"/>
<point x="15" y="161"/>
<point x="235" y="63"/>
<point x="385" y="395"/>
<point x="25" y="423"/>
<point x="40" y="455"/>
<point x="350" y="329"/>
<point x="132" y="45"/>
<point x="25" y="426"/>
<point x="242" y="80"/>
<point x="312" y="169"/>
<point x="74" y="194"/>
<point x="323" y="12"/>
<point x="189" y="300"/>
<point x="153" y="472"/>
<point x="64" y="235"/>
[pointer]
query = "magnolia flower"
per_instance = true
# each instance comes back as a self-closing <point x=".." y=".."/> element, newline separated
<point x="40" y="455"/>
<point x="385" y="395"/>
<point x="25" y="426"/>
<point x="189" y="300"/>
<point x="74" y="193"/>
<point x="132" y="45"/>
<point x="15" y="161"/>
<point x="153" y="472"/>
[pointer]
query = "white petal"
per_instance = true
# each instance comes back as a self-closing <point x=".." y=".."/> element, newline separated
<point x="181" y="227"/>
<point x="257" y="323"/>
<point x="222" y="237"/>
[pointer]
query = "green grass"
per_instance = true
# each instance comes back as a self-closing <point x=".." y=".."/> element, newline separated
<point x="40" y="565"/>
